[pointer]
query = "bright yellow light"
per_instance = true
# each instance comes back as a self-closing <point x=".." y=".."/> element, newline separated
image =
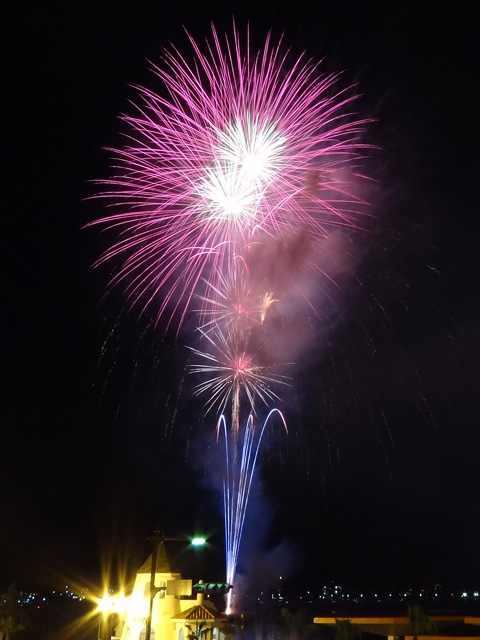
<point x="103" y="604"/>
<point x="137" y="607"/>
<point x="111" y="603"/>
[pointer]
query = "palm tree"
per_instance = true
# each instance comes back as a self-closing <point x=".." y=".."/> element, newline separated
<point x="296" y="626"/>
<point x="347" y="630"/>
<point x="421" y="623"/>
<point x="200" y="632"/>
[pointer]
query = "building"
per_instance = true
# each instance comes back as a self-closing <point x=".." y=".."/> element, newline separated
<point x="176" y="614"/>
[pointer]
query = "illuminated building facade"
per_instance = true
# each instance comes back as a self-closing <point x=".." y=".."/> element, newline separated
<point x="175" y="614"/>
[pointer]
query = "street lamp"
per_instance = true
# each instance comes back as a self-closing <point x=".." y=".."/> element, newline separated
<point x="156" y="540"/>
<point x="198" y="542"/>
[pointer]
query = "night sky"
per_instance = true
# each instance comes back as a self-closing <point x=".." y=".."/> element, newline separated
<point x="377" y="481"/>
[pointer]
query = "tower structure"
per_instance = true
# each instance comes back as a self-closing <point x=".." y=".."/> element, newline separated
<point x="175" y="614"/>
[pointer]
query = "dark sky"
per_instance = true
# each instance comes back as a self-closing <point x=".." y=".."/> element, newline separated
<point x="377" y="481"/>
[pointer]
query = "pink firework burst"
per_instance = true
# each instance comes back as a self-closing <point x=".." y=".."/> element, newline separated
<point x="239" y="146"/>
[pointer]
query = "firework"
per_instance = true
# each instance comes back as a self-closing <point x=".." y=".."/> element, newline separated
<point x="235" y="174"/>
<point x="234" y="365"/>
<point x="236" y="303"/>
<point x="236" y="147"/>
<point x="239" y="473"/>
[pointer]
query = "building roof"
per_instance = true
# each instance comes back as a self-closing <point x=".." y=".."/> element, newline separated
<point x="206" y="611"/>
<point x="163" y="563"/>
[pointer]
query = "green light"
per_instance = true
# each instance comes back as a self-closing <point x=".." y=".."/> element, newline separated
<point x="198" y="542"/>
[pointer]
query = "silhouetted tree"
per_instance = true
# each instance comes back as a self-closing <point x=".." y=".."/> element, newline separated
<point x="295" y="626"/>
<point x="347" y="630"/>
<point x="200" y="632"/>
<point x="421" y="623"/>
<point x="12" y="618"/>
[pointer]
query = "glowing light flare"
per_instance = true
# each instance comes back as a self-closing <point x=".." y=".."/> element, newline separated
<point x="137" y="608"/>
<point x="227" y="196"/>
<point x="248" y="158"/>
<point x="109" y="603"/>
<point x="257" y="150"/>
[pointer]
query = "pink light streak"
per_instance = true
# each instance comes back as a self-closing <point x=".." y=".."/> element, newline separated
<point x="236" y="146"/>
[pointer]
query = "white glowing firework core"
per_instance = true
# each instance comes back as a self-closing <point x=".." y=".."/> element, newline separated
<point x="256" y="149"/>
<point x="248" y="157"/>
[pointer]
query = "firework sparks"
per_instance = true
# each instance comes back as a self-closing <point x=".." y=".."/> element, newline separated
<point x="227" y="157"/>
<point x="235" y="304"/>
<point x="267" y="302"/>
<point x="234" y="367"/>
